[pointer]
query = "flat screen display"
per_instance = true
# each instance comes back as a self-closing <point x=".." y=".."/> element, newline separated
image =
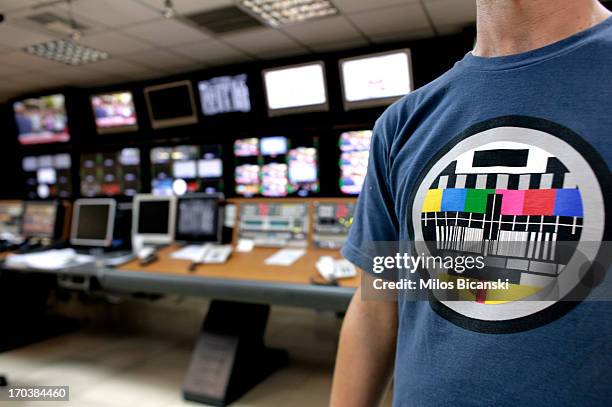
<point x="186" y="169"/>
<point x="303" y="171"/>
<point x="274" y="181"/>
<point x="246" y="147"/>
<point x="153" y="217"/>
<point x="375" y="80"/>
<point x="48" y="176"/>
<point x="39" y="220"/>
<point x="170" y="104"/>
<point x="92" y="223"/>
<point x="198" y="219"/>
<point x="354" y="154"/>
<point x="42" y="120"/>
<point x="114" y="112"/>
<point x="273" y="146"/>
<point x="224" y="94"/>
<point x="246" y="178"/>
<point x="297" y="88"/>
<point x="111" y="173"/>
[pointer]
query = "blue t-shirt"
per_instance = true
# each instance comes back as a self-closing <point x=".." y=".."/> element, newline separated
<point x="514" y="148"/>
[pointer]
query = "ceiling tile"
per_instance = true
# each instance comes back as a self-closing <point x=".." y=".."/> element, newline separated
<point x="27" y="61"/>
<point x="113" y="13"/>
<point x="115" y="43"/>
<point x="160" y="59"/>
<point x="117" y="66"/>
<point x="343" y="45"/>
<point x="403" y="36"/>
<point x="10" y="5"/>
<point x="16" y="37"/>
<point x="191" y="6"/>
<point x="166" y="33"/>
<point x="211" y="51"/>
<point x="406" y="18"/>
<point x="451" y="12"/>
<point x="263" y="41"/>
<point x="317" y="32"/>
<point x="352" y="6"/>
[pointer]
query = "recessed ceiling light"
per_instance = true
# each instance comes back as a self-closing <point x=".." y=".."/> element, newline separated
<point x="281" y="12"/>
<point x="67" y="52"/>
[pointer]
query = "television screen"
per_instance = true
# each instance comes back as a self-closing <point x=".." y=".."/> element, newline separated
<point x="375" y="80"/>
<point x="42" y="120"/>
<point x="274" y="181"/>
<point x="182" y="169"/>
<point x="170" y="104"/>
<point x="247" y="147"/>
<point x="297" y="88"/>
<point x="114" y="112"/>
<point x="303" y="171"/>
<point x="247" y="179"/>
<point x="354" y="154"/>
<point x="224" y="94"/>
<point x="38" y="219"/>
<point x="48" y="176"/>
<point x="111" y="173"/>
<point x="273" y="146"/>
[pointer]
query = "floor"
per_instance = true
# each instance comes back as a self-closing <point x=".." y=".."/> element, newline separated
<point x="137" y="356"/>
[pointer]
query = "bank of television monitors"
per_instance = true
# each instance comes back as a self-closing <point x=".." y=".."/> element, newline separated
<point x="376" y="79"/>
<point x="48" y="176"/>
<point x="270" y="167"/>
<point x="187" y="168"/>
<point x="224" y="94"/>
<point x="42" y="120"/>
<point x="296" y="89"/>
<point x="111" y="173"/>
<point x="171" y="104"/>
<point x="354" y="153"/>
<point x="114" y="112"/>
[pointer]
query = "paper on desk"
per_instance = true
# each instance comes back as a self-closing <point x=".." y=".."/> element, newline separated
<point x="192" y="252"/>
<point x="48" y="260"/>
<point x="245" y="245"/>
<point x="284" y="257"/>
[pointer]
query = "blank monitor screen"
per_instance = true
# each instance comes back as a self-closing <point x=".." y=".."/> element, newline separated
<point x="273" y="145"/>
<point x="92" y="224"/>
<point x="39" y="219"/>
<point x="224" y="94"/>
<point x="298" y="88"/>
<point x="171" y="104"/>
<point x="42" y="120"/>
<point x="375" y="80"/>
<point x="153" y="217"/>
<point x="198" y="219"/>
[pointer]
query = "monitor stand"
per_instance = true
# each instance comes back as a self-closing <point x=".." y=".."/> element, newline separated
<point x="230" y="356"/>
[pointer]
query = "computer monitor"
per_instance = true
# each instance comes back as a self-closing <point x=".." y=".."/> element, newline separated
<point x="153" y="218"/>
<point x="170" y="104"/>
<point x="376" y="79"/>
<point x="273" y="146"/>
<point x="199" y="218"/>
<point x="39" y="219"/>
<point x="296" y="89"/>
<point x="224" y="94"/>
<point x="42" y="120"/>
<point x="246" y="178"/>
<point x="303" y="171"/>
<point x="93" y="222"/>
<point x="114" y="112"/>
<point x="354" y="155"/>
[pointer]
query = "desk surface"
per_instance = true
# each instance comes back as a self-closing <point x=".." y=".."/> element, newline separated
<point x="244" y="266"/>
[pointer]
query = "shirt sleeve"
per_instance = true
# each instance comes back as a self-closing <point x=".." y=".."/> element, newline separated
<point x="375" y="219"/>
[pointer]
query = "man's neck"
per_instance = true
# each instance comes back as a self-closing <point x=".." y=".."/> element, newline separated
<point x="507" y="27"/>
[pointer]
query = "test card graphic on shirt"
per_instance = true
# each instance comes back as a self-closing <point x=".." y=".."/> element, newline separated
<point x="523" y="193"/>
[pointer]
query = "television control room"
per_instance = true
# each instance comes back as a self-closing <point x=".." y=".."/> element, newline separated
<point x="179" y="180"/>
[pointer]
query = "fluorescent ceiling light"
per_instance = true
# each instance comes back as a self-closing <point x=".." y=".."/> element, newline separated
<point x="67" y="52"/>
<point x="281" y="12"/>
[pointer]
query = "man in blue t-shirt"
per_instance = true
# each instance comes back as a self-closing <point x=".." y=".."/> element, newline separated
<point x="512" y="145"/>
